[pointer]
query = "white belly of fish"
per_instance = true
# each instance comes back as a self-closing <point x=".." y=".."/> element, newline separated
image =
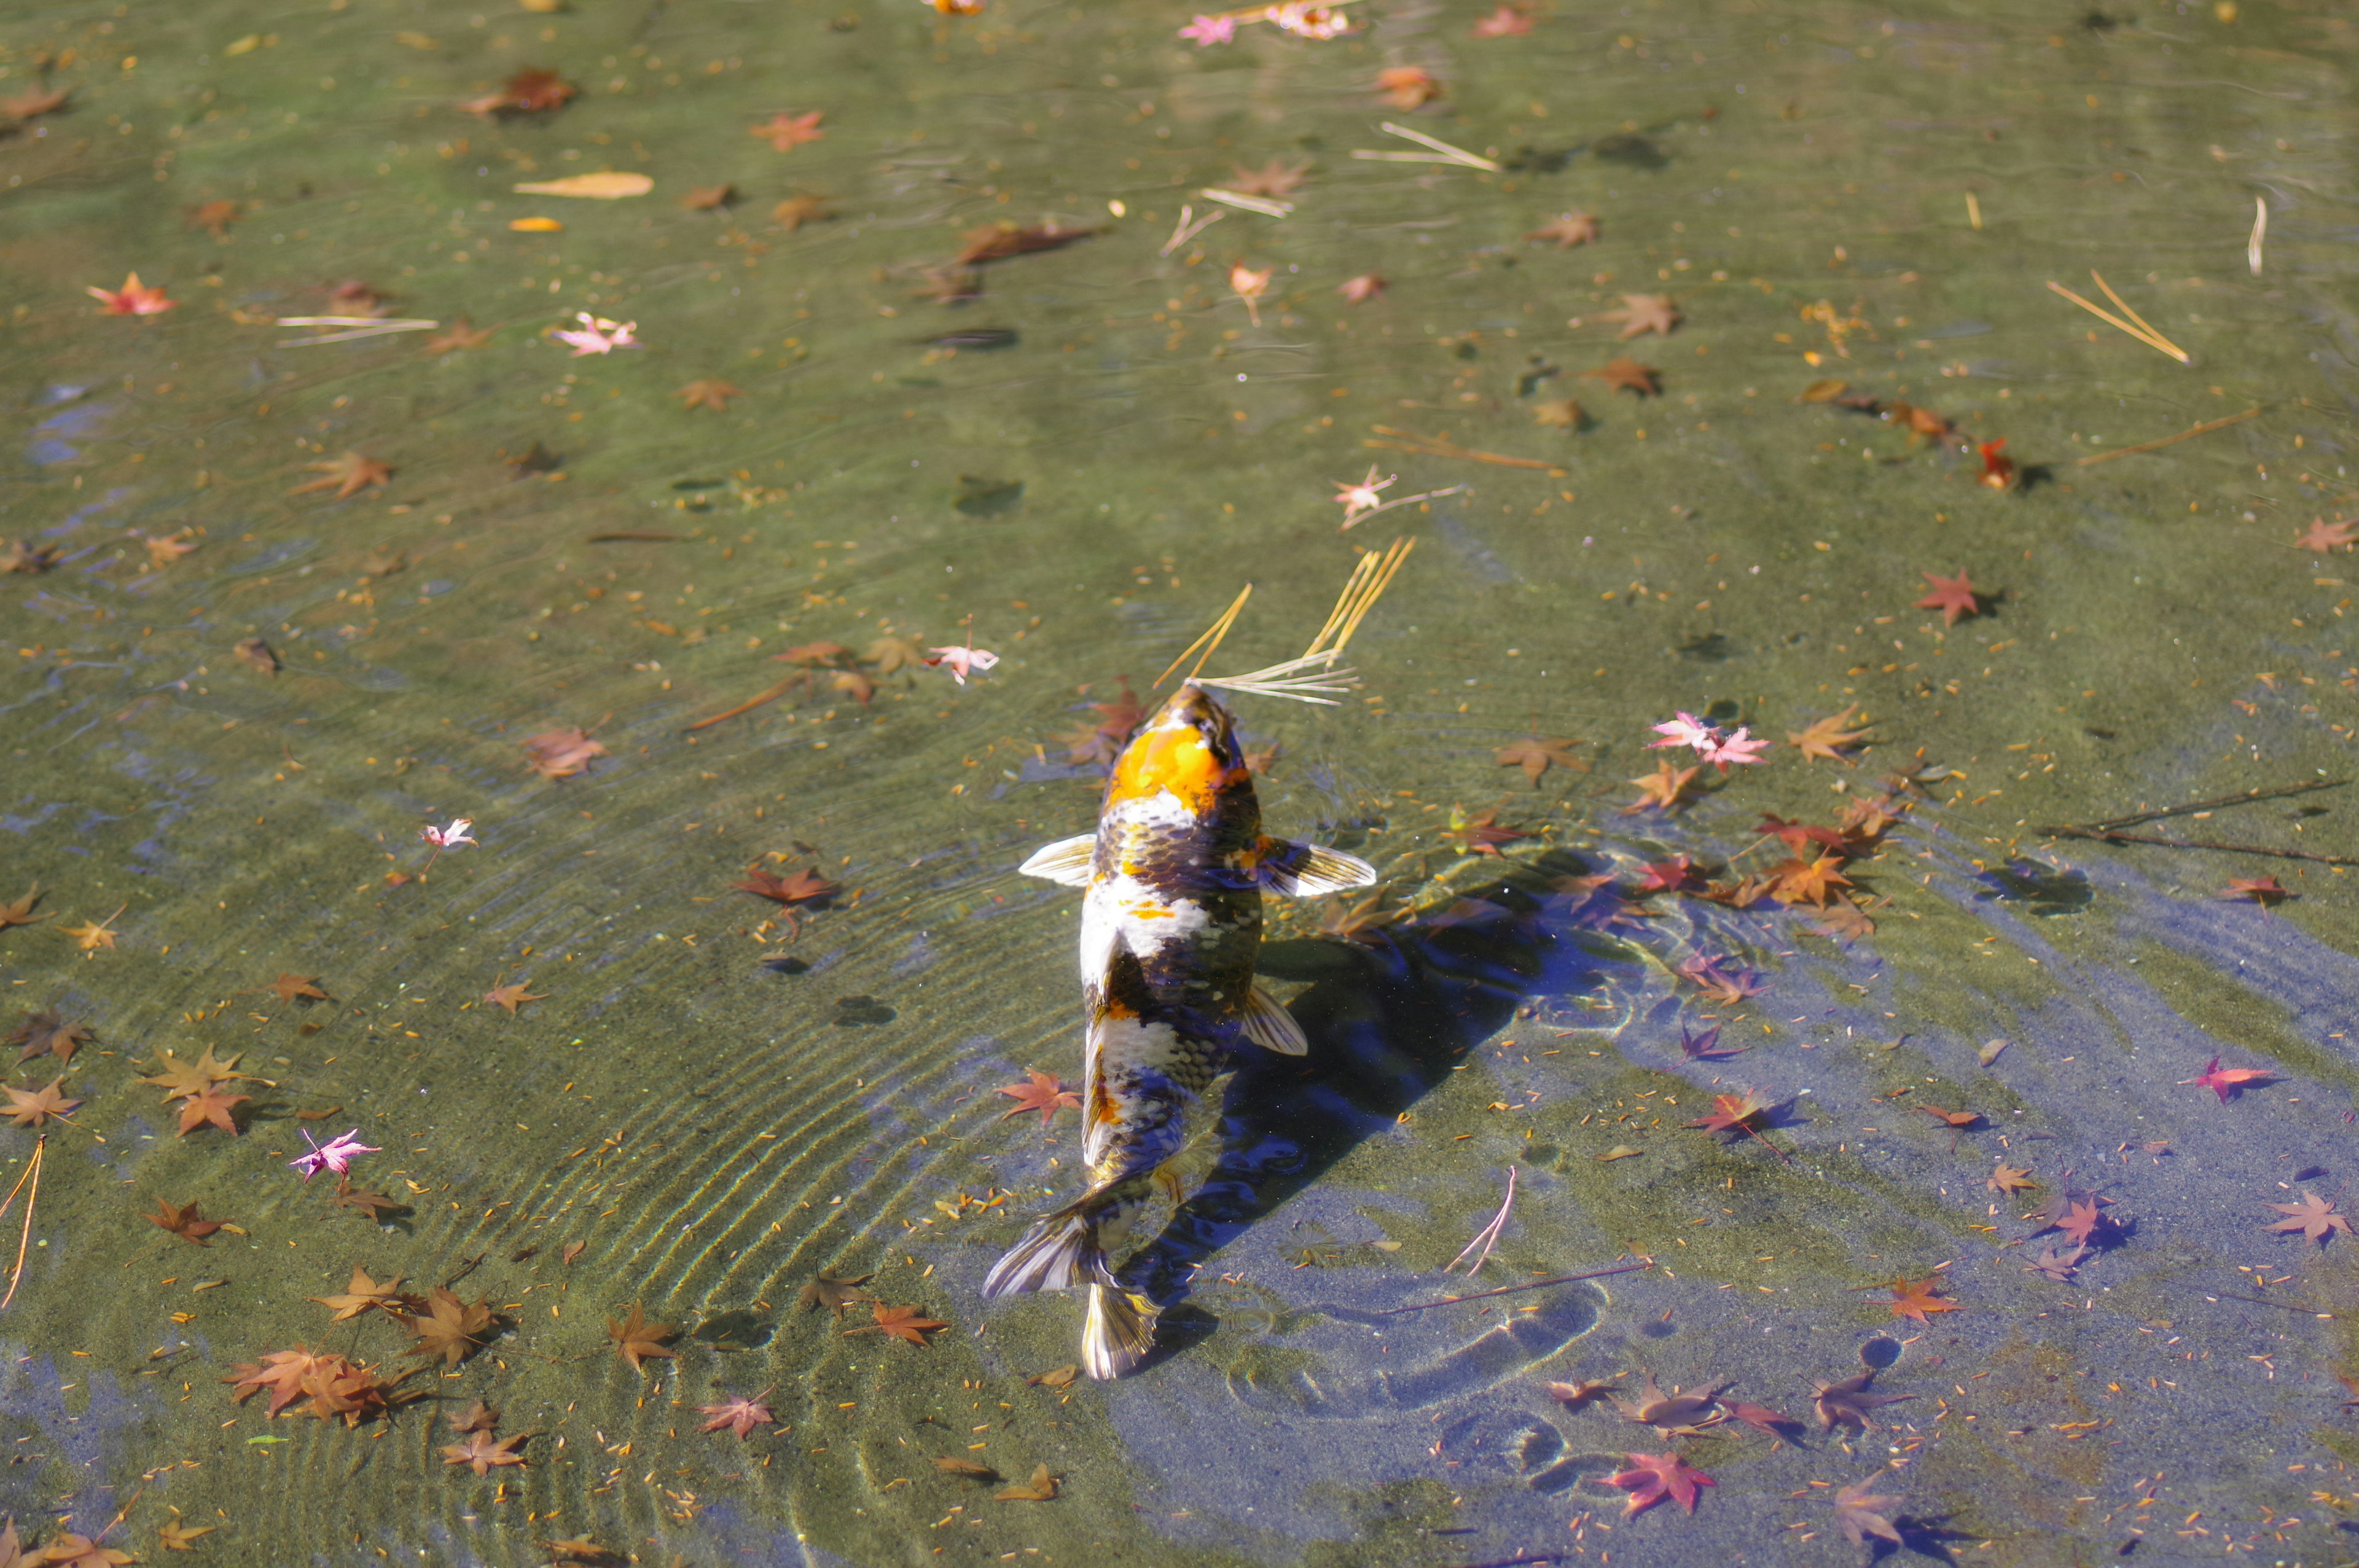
<point x="1121" y="909"/>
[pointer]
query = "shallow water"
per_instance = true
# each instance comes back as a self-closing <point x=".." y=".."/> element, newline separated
<point x="717" y="1106"/>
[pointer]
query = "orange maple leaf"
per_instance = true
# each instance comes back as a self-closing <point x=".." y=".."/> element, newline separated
<point x="1919" y="1299"/>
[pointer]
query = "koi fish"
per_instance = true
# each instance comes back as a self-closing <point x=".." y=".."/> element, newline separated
<point x="1170" y="926"/>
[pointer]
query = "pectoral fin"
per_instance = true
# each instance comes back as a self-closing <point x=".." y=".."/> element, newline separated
<point x="1308" y="870"/>
<point x="1067" y="860"/>
<point x="1270" y="1026"/>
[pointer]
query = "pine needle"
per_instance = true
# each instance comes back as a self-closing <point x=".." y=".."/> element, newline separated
<point x="2143" y="331"/>
<point x="1305" y="678"/>
<point x="1488" y="1237"/>
<point x="1210" y="640"/>
<point x="33" y="1175"/>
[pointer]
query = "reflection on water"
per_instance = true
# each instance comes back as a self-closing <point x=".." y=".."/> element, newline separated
<point x="827" y="452"/>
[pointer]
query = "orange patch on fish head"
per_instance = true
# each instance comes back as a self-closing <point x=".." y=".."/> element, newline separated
<point x="1186" y="749"/>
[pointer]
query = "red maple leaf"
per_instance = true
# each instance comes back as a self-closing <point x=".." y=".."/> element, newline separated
<point x="1043" y="1094"/>
<point x="2324" y="536"/>
<point x="2263" y="890"/>
<point x="1955" y="597"/>
<point x="1919" y="1299"/>
<point x="901" y="1322"/>
<point x="2229" y="1081"/>
<point x="2082" y="1219"/>
<point x="788" y="132"/>
<point x="1736" y="1113"/>
<point x="1654" y="1477"/>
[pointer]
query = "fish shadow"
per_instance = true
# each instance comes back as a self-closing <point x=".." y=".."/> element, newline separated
<point x="1923" y="1535"/>
<point x="1386" y="1020"/>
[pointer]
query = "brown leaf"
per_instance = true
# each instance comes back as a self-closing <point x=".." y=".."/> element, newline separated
<point x="20" y="912"/>
<point x="297" y="987"/>
<point x="1535" y="756"/>
<point x="562" y="753"/>
<point x="513" y="996"/>
<point x="706" y="198"/>
<point x="256" y="656"/>
<point x="1062" y="1378"/>
<point x="635" y="1339"/>
<point x="361" y="1295"/>
<point x="951" y="1466"/>
<point x="833" y="1293"/>
<point x="1042" y="1487"/>
<point x="708" y="392"/>
<point x="347" y="476"/>
<point x="486" y="1453"/>
<point x="183" y="1222"/>
<point x="450" y="1327"/>
<point x="211" y="1108"/>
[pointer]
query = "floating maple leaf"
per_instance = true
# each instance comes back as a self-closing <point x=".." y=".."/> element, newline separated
<point x="183" y="1222"/>
<point x="1626" y="375"/>
<point x="740" y="1416"/>
<point x="512" y="997"/>
<point x="2324" y="536"/>
<point x="2230" y="1082"/>
<point x="48" y="1033"/>
<point x="93" y="935"/>
<point x="298" y="987"/>
<point x="2011" y="1179"/>
<point x="635" y="1339"/>
<point x="450" y="1327"/>
<point x="1664" y="788"/>
<point x="1043" y="1094"/>
<point x="833" y="1293"/>
<point x="461" y="334"/>
<point x="1275" y="177"/>
<point x="1955" y="597"/>
<point x="1737" y="1114"/>
<point x="1645" y="313"/>
<point x="1652" y="1477"/>
<point x="2314" y="1217"/>
<point x="1567" y="230"/>
<point x="1763" y="1419"/>
<point x="1406" y="86"/>
<point x="794" y="892"/>
<point x="211" y="1108"/>
<point x="347" y="476"/>
<point x="20" y="912"/>
<point x="1479" y="834"/>
<point x="1506" y="22"/>
<point x="1669" y="1413"/>
<point x="1535" y="756"/>
<point x="1706" y="1046"/>
<point x="181" y="1078"/>
<point x="532" y="91"/>
<point x="708" y="392"/>
<point x="1848" y="1404"/>
<point x="1812" y="881"/>
<point x="901" y="1322"/>
<point x="1827" y="737"/>
<point x="2057" y="1266"/>
<point x="362" y="1294"/>
<point x="1957" y="1122"/>
<point x="785" y="132"/>
<point x="134" y="299"/>
<point x="2263" y="890"/>
<point x="1723" y="986"/>
<point x="1860" y="1513"/>
<point x="562" y="753"/>
<point x="1359" y="290"/>
<point x="1917" y="1299"/>
<point x="1041" y="1489"/>
<point x="483" y="1453"/>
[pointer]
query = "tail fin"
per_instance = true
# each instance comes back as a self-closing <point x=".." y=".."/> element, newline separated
<point x="1059" y="1252"/>
<point x="1119" y="1332"/>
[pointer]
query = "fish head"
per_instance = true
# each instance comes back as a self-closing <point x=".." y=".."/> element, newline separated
<point x="1187" y="747"/>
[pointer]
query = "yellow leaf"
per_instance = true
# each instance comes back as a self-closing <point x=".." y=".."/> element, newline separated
<point x="1619" y="1151"/>
<point x="535" y="225"/>
<point x="416" y="40"/>
<point x="246" y="45"/>
<point x="604" y="186"/>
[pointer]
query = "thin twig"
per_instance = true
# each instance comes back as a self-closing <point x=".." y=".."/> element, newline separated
<point x="1188" y="228"/>
<point x="2202" y="843"/>
<point x="2194" y="807"/>
<point x="33" y="1175"/>
<point x="1404" y="501"/>
<point x="1513" y="1290"/>
<point x="1434" y="446"/>
<point x="1488" y="1237"/>
<point x="1238" y="199"/>
<point x="772" y="695"/>
<point x="2203" y="429"/>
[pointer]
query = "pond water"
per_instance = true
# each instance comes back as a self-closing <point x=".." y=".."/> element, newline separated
<point x="923" y="353"/>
